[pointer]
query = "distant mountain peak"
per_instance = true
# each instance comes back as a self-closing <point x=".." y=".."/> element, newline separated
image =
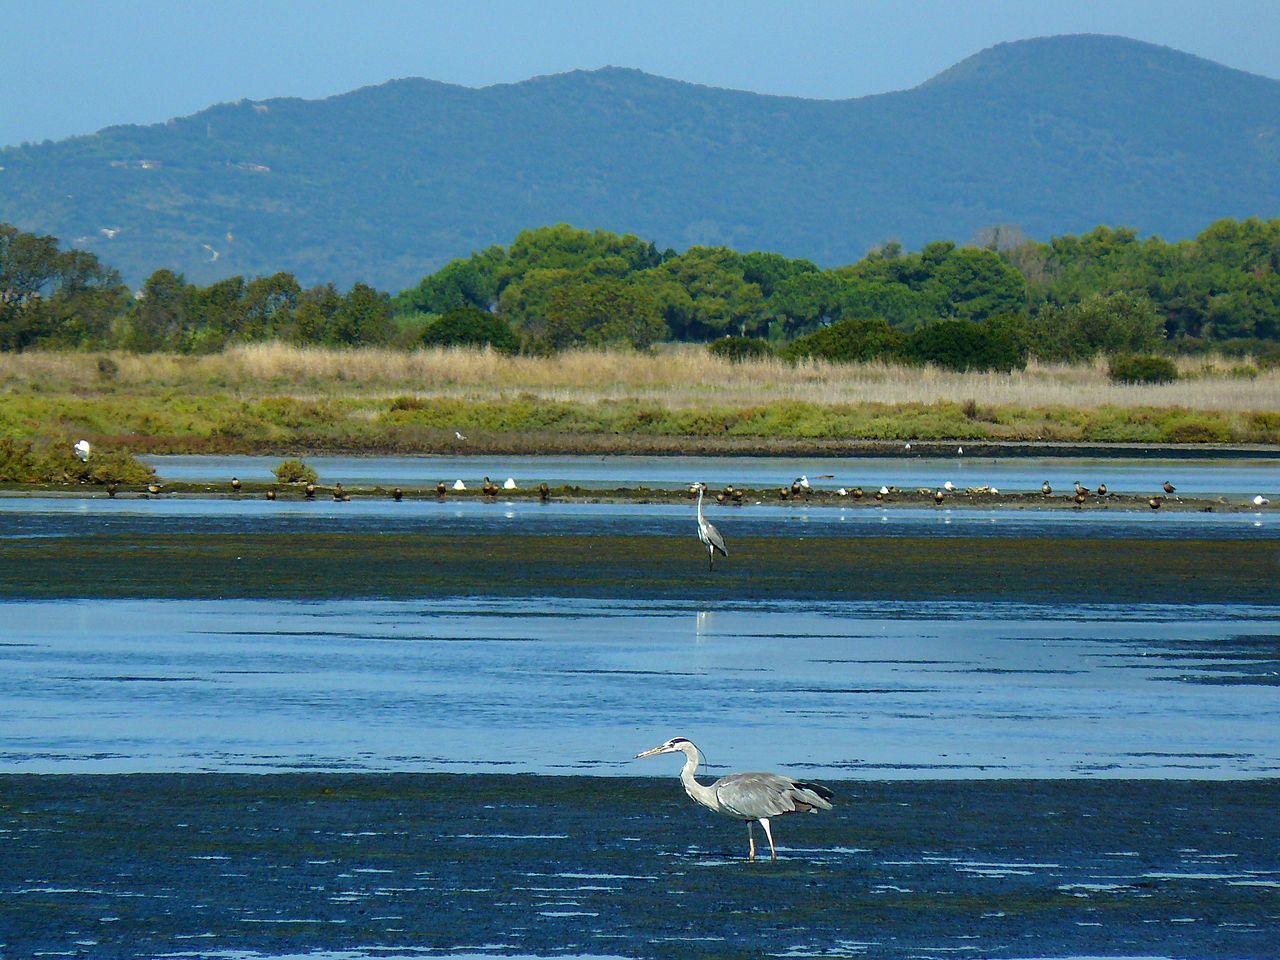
<point x="386" y="183"/>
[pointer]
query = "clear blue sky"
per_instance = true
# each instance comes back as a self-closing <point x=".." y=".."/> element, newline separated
<point x="74" y="66"/>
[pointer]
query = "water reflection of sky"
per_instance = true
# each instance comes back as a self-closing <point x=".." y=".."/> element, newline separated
<point x="854" y="689"/>
<point x="1242" y="477"/>
<point x="74" y="516"/>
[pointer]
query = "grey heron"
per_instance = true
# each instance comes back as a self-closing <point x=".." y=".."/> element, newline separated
<point x="746" y="796"/>
<point x="707" y="532"/>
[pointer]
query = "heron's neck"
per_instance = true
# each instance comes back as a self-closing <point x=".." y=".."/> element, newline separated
<point x="704" y="795"/>
<point x="695" y="762"/>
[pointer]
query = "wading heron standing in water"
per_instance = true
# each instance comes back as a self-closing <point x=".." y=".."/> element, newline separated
<point x="707" y="532"/>
<point x="747" y="796"/>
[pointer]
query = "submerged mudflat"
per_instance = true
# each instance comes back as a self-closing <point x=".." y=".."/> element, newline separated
<point x="399" y="865"/>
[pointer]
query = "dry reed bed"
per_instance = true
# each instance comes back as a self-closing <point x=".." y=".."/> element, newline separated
<point x="675" y="377"/>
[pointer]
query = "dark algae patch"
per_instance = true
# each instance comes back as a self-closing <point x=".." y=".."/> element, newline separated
<point x="144" y="865"/>
<point x="363" y="564"/>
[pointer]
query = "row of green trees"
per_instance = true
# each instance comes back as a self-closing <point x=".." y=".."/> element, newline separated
<point x="1106" y="291"/>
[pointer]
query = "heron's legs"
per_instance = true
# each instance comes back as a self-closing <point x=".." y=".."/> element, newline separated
<point x="711" y="555"/>
<point x="751" y="842"/>
<point x="764" y="822"/>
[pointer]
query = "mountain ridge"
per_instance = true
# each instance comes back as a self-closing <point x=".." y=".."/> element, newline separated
<point x="387" y="182"/>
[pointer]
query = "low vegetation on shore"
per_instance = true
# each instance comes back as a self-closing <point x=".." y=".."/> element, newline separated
<point x="277" y="398"/>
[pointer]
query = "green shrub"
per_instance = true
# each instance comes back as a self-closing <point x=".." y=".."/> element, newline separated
<point x="965" y="345"/>
<point x="295" y="471"/>
<point x="849" y="341"/>
<point x="738" y="349"/>
<point x="470" y="327"/>
<point x="56" y="462"/>
<point x="1142" y="368"/>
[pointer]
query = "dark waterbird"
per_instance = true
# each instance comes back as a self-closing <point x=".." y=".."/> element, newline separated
<point x="236" y="484"/>
<point x="544" y="492"/>
<point x="271" y="494"/>
<point x="310" y="491"/>
<point x="1169" y="487"/>
<point x="1045" y="488"/>
<point x="441" y="489"/>
<point x="112" y="487"/>
<point x="397" y="494"/>
<point x="747" y="796"/>
<point x="153" y="489"/>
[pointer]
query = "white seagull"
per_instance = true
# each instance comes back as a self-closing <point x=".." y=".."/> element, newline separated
<point x="459" y="485"/>
<point x="458" y="434"/>
<point x="948" y="486"/>
<point x="1260" y="501"/>
<point x="82" y="450"/>
<point x="509" y="483"/>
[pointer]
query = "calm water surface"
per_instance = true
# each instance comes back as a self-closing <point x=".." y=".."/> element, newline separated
<point x="563" y="685"/>
<point x="1199" y="478"/>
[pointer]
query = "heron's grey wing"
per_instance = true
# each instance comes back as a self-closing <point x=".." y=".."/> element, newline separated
<point x="754" y="795"/>
<point x="714" y="538"/>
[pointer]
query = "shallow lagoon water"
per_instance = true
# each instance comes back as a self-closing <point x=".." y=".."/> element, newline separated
<point x="353" y="656"/>
<point x="562" y="685"/>
<point x="1236" y="476"/>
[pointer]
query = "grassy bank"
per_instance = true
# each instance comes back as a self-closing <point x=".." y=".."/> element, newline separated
<point x="276" y="398"/>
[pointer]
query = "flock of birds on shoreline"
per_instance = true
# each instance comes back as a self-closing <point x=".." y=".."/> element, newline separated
<point x="710" y="537"/>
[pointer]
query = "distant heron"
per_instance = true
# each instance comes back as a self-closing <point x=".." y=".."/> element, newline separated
<point x="747" y="796"/>
<point x="82" y="450"/>
<point x="707" y="532"/>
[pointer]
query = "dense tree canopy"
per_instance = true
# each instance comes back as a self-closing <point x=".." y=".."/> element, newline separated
<point x="1108" y="291"/>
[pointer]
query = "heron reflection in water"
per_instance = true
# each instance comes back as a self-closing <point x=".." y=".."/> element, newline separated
<point x="749" y="797"/>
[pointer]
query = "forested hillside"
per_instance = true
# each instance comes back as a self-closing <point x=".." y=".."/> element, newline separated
<point x="388" y="183"/>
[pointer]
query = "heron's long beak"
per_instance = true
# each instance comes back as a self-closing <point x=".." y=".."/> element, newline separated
<point x="661" y="748"/>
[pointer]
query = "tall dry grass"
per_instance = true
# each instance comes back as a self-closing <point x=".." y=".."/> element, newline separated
<point x="677" y="377"/>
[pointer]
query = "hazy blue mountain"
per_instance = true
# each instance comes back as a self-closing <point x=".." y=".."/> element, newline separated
<point x="386" y="183"/>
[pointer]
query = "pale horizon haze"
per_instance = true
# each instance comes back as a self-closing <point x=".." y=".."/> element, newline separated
<point x="72" y="67"/>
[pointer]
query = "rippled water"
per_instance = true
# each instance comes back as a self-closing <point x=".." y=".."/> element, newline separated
<point x="558" y="685"/>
